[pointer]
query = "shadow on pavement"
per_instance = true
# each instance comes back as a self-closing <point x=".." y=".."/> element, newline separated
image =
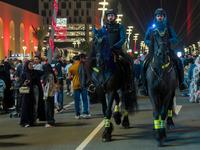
<point x="68" y="124"/>
<point x="11" y="144"/>
<point x="10" y="136"/>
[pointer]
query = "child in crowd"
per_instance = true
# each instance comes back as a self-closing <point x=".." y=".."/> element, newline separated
<point x="15" y="87"/>
<point x="57" y="89"/>
<point x="49" y="81"/>
<point x="12" y="72"/>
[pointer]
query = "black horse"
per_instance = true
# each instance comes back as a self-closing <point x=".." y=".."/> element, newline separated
<point x="161" y="81"/>
<point x="108" y="75"/>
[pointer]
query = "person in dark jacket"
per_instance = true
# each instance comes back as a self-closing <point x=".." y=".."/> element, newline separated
<point x="21" y="67"/>
<point x="32" y="104"/>
<point x="58" y="64"/>
<point x="5" y="76"/>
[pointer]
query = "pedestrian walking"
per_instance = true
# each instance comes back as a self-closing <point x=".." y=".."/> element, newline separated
<point x="48" y="84"/>
<point x="73" y="71"/>
<point x="32" y="104"/>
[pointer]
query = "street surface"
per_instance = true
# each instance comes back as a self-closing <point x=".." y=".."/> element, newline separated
<point x="72" y="134"/>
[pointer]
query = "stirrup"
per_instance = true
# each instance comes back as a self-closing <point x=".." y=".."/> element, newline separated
<point x="91" y="88"/>
<point x="128" y="88"/>
<point x="183" y="87"/>
<point x="143" y="91"/>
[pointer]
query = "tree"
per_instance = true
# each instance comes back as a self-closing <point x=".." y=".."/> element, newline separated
<point x="87" y="47"/>
<point x="39" y="33"/>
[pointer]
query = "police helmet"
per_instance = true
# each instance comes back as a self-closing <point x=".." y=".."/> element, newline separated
<point x="111" y="11"/>
<point x="160" y="11"/>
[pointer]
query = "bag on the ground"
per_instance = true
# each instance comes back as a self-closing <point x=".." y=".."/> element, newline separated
<point x="2" y="88"/>
<point x="24" y="90"/>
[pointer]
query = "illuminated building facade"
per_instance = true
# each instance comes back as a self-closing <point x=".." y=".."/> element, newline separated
<point x="81" y="16"/>
<point x="16" y="30"/>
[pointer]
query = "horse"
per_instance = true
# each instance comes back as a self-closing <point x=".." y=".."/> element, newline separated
<point x="108" y="76"/>
<point x="161" y="84"/>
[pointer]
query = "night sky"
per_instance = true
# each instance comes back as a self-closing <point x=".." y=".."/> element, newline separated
<point x="141" y="13"/>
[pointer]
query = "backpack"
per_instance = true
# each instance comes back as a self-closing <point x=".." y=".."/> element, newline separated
<point x="2" y="88"/>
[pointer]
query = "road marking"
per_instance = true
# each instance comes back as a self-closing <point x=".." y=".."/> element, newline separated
<point x="69" y="104"/>
<point x="90" y="137"/>
<point x="177" y="108"/>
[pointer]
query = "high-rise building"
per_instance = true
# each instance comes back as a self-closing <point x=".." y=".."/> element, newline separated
<point x="81" y="16"/>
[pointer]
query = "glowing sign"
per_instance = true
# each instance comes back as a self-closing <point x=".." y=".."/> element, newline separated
<point x="179" y="54"/>
<point x="61" y="29"/>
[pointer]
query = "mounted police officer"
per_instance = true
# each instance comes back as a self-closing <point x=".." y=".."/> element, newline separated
<point x="165" y="31"/>
<point x="117" y="37"/>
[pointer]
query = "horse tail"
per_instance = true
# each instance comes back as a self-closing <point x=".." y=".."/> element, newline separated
<point x="129" y="99"/>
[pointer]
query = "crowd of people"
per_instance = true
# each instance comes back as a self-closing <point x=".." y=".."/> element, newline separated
<point x="46" y="88"/>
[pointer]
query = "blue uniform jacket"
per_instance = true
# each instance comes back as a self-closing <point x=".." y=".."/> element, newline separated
<point x="174" y="38"/>
<point x="122" y="37"/>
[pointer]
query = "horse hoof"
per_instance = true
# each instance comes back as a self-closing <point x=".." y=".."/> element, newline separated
<point x="170" y="127"/>
<point x="160" y="143"/>
<point x="125" y="127"/>
<point x="117" y="117"/>
<point x="107" y="139"/>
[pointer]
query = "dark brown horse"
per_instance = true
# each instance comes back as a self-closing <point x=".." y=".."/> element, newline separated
<point x="108" y="76"/>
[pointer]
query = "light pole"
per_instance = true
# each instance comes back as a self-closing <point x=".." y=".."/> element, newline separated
<point x="142" y="45"/>
<point x="104" y="3"/>
<point x="119" y="19"/>
<point x="129" y="30"/>
<point x="74" y="44"/>
<point x="24" y="48"/>
<point x="135" y="38"/>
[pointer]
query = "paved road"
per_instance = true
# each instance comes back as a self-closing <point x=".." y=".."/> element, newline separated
<point x="72" y="134"/>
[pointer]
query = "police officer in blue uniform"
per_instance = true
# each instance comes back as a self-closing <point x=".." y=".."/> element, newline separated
<point x="160" y="25"/>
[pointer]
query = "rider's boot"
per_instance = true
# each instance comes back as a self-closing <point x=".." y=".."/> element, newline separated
<point x="91" y="88"/>
<point x="143" y="90"/>
<point x="179" y="66"/>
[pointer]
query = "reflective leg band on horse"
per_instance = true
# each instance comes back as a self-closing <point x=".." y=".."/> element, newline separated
<point x="162" y="124"/>
<point x="157" y="124"/>
<point x="126" y="113"/>
<point x="107" y="122"/>
<point x="159" y="117"/>
<point x="169" y="113"/>
<point x="116" y="108"/>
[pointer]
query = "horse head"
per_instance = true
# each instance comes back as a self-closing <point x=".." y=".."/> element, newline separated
<point x="101" y="45"/>
<point x="160" y="47"/>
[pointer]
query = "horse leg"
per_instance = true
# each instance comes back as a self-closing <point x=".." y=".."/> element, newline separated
<point x="156" y="113"/>
<point x="117" y="114"/>
<point x="106" y="136"/>
<point x="125" y="122"/>
<point x="170" y="123"/>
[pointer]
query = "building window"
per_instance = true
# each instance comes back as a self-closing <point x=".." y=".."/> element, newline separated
<point x="67" y="12"/>
<point x="69" y="4"/>
<point x="76" y="12"/>
<point x="63" y="5"/>
<point x="47" y="20"/>
<point x="49" y="13"/>
<point x="89" y="20"/>
<point x="65" y="0"/>
<point x="42" y="0"/>
<point x="59" y="12"/>
<point x="46" y="5"/>
<point x="82" y="12"/>
<point x="49" y="0"/>
<point x="78" y="4"/>
<point x="70" y="19"/>
<point x="44" y="13"/>
<point x="74" y="19"/>
<point x="88" y="4"/>
<point x="79" y="19"/>
<point x="87" y="12"/>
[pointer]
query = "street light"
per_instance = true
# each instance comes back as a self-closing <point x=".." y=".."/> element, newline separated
<point x="118" y="19"/>
<point x="104" y="3"/>
<point x="135" y="38"/>
<point x="24" y="48"/>
<point x="128" y="40"/>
